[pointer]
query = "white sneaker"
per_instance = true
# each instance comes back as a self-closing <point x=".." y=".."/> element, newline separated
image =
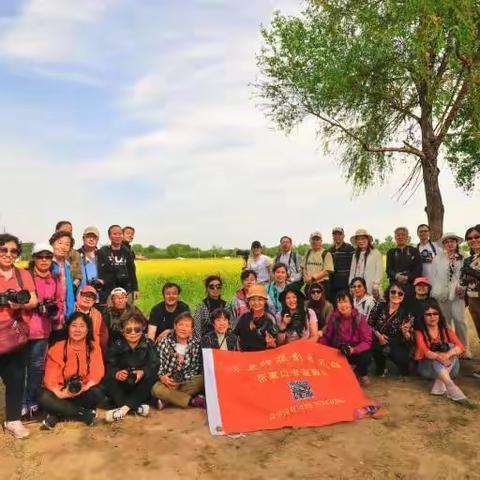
<point x="143" y="410"/>
<point x="16" y="429"/>
<point x="454" y="393"/>
<point x="114" y="415"/>
<point x="438" y="388"/>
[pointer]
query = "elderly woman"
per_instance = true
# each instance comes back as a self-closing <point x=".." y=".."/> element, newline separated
<point x="44" y="319"/>
<point x="367" y="262"/>
<point x="180" y="379"/>
<point x="14" y="311"/>
<point x="213" y="300"/>
<point x="221" y="337"/>
<point x="317" y="302"/>
<point x="257" y="328"/>
<point x="437" y="352"/>
<point x="239" y="303"/>
<point x="362" y="301"/>
<point x="392" y="326"/>
<point x="259" y="263"/>
<point x="275" y="288"/>
<point x="73" y="371"/>
<point x="446" y="288"/>
<point x="348" y="330"/>
<point x="300" y="322"/>
<point x="132" y="366"/>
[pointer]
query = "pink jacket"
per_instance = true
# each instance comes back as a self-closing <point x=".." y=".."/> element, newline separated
<point x="47" y="288"/>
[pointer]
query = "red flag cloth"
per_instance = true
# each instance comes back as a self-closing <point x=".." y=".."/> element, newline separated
<point x="302" y="384"/>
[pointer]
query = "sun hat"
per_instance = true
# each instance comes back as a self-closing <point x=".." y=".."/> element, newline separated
<point x="361" y="232"/>
<point x="451" y="235"/>
<point x="257" y="291"/>
<point x="291" y="288"/>
<point x="42" y="247"/>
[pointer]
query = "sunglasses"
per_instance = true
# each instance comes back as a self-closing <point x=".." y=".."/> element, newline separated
<point x="132" y="330"/>
<point x="91" y="296"/>
<point x="14" y="252"/>
<point x="316" y="292"/>
<point x="214" y="286"/>
<point x="44" y="257"/>
<point x="431" y="314"/>
<point x="472" y="237"/>
<point x="397" y="292"/>
<point x="357" y="286"/>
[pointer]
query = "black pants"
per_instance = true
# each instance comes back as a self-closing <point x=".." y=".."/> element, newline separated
<point x="12" y="372"/>
<point x="361" y="361"/>
<point x="70" y="408"/>
<point x="130" y="395"/>
<point x="397" y="351"/>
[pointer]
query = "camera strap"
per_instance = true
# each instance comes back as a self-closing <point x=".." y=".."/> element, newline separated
<point x="65" y="358"/>
<point x="19" y="278"/>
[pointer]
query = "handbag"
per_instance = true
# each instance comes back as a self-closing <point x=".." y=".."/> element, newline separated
<point x="14" y="334"/>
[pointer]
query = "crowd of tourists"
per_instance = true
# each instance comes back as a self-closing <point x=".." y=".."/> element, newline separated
<point x="72" y="338"/>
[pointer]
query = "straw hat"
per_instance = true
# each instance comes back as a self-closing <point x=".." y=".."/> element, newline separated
<point x="257" y="291"/>
<point x="453" y="236"/>
<point x="361" y="232"/>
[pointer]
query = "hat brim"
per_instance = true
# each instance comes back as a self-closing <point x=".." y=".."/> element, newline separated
<point x="452" y="237"/>
<point x="353" y="239"/>
<point x="295" y="290"/>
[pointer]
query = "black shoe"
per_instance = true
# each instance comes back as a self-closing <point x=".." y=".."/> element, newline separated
<point x="87" y="416"/>
<point x="49" y="422"/>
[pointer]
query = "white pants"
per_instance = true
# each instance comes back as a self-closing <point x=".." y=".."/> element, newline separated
<point x="454" y="311"/>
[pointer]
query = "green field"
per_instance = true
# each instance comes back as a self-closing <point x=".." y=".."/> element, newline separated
<point x="189" y="274"/>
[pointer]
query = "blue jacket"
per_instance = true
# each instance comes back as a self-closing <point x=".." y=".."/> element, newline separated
<point x="70" y="297"/>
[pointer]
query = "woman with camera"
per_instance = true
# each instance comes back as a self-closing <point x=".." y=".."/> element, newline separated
<point x="180" y="379"/>
<point x="299" y="322"/>
<point x="73" y="371"/>
<point x="392" y="326"/>
<point x="257" y="328"/>
<point x="317" y="302"/>
<point x="132" y="367"/>
<point x="44" y="319"/>
<point x="347" y="329"/>
<point x="437" y="352"/>
<point x="221" y="337"/>
<point x="17" y="299"/>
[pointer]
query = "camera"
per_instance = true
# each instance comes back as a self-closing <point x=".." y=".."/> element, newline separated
<point x="426" y="256"/>
<point x="177" y="376"/>
<point x="74" y="384"/>
<point x="296" y="324"/>
<point x="268" y="326"/>
<point x="442" y="347"/>
<point x="132" y="377"/>
<point x="243" y="253"/>
<point x="21" y="297"/>
<point x="48" y="308"/>
<point x="345" y="349"/>
<point x="96" y="283"/>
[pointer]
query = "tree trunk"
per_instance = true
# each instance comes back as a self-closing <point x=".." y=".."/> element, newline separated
<point x="434" y="209"/>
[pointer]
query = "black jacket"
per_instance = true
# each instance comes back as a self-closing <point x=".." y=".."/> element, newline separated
<point x="406" y="261"/>
<point x="121" y="357"/>
<point x="210" y="340"/>
<point x="342" y="261"/>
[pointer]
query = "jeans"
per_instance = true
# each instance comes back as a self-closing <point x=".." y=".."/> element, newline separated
<point x="69" y="408"/>
<point x="35" y="366"/>
<point x="430" y="368"/>
<point x="182" y="395"/>
<point x="12" y="372"/>
<point x="130" y="395"/>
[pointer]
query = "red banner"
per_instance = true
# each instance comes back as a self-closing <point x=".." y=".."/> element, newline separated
<point x="302" y="384"/>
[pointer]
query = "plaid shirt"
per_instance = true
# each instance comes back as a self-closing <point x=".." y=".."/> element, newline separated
<point x="191" y="365"/>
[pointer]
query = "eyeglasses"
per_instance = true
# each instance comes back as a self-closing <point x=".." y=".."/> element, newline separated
<point x="91" y="296"/>
<point x="129" y="330"/>
<point x="423" y="231"/>
<point x="431" y="314"/>
<point x="214" y="286"/>
<point x="471" y="237"/>
<point x="316" y="292"/>
<point x="397" y="292"/>
<point x="357" y="286"/>
<point x="44" y="257"/>
<point x="14" y="252"/>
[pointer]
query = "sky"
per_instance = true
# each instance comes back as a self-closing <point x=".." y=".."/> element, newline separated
<point x="142" y="113"/>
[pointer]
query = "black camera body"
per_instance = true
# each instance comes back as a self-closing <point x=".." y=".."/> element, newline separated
<point x="95" y="283"/>
<point x="177" y="376"/>
<point x="426" y="256"/>
<point x="74" y="384"/>
<point x="440" y="347"/>
<point x="22" y="297"/>
<point x="48" y="308"/>
<point x="268" y="326"/>
<point x="344" y="349"/>
<point x="296" y="324"/>
<point x="132" y="377"/>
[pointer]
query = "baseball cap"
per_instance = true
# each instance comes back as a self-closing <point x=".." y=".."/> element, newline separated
<point x="316" y="233"/>
<point x="42" y="247"/>
<point x="91" y="230"/>
<point x="422" y="280"/>
<point x="338" y="230"/>
<point x="256" y="244"/>
<point x="118" y="291"/>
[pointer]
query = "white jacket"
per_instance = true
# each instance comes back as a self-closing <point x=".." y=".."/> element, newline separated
<point x="444" y="284"/>
<point x="373" y="271"/>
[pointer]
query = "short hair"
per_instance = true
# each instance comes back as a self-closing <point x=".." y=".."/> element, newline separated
<point x="397" y="284"/>
<point x="128" y="227"/>
<point x="220" y="312"/>
<point x="134" y="318"/>
<point x="287" y="237"/>
<point x="246" y="273"/>
<point x="278" y="265"/>
<point x="401" y="229"/>
<point x="358" y="279"/>
<point x="342" y="295"/>
<point x="171" y="285"/>
<point x="60" y="234"/>
<point x="210" y="278"/>
<point x="111" y="227"/>
<point x="61" y="223"/>
<point x="7" y="237"/>
<point x="183" y="316"/>
<point x="423" y="225"/>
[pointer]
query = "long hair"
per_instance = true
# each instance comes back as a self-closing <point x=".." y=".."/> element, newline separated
<point x="316" y="305"/>
<point x="300" y="310"/>
<point x="431" y="303"/>
<point x="475" y="228"/>
<point x="88" y="322"/>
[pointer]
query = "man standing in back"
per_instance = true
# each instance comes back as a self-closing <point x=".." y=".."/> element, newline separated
<point x="342" y="253"/>
<point x="292" y="260"/>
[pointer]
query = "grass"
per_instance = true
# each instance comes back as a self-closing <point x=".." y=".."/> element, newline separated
<point x="189" y="274"/>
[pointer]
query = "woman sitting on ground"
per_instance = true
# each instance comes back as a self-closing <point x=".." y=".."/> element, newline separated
<point x="221" y="337"/>
<point x="438" y="349"/>
<point x="180" y="379"/>
<point x="348" y="330"/>
<point x="299" y="322"/>
<point x="132" y="367"/>
<point x="392" y="326"/>
<point x="362" y="300"/>
<point x="319" y="304"/>
<point x="73" y="371"/>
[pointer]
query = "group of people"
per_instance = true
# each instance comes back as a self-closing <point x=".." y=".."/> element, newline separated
<point x="72" y="338"/>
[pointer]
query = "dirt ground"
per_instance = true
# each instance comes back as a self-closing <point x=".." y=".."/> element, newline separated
<point x="421" y="437"/>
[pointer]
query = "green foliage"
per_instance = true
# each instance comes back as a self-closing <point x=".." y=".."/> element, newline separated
<point x="386" y="80"/>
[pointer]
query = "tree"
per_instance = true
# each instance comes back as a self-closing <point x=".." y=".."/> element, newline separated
<point x="388" y="81"/>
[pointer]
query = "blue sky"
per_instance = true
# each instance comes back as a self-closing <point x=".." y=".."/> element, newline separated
<point x="141" y="112"/>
